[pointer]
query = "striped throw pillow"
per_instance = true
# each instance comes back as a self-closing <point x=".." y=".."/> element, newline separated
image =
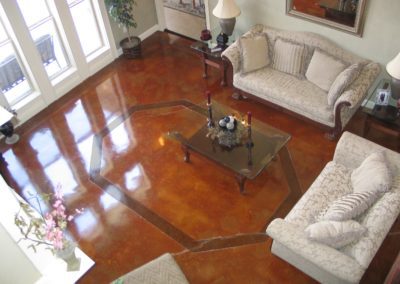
<point x="350" y="206"/>
<point x="289" y="57"/>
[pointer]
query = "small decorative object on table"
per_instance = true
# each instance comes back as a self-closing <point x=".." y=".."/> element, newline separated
<point x="48" y="229"/>
<point x="229" y="133"/>
<point x="6" y="125"/>
<point x="205" y="35"/>
<point x="249" y="143"/>
<point x="210" y="123"/>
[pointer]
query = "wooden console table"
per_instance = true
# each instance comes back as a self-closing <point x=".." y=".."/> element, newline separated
<point x="210" y="58"/>
<point x="385" y="118"/>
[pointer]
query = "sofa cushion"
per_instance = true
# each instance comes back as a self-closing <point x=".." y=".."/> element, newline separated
<point x="342" y="81"/>
<point x="289" y="57"/>
<point x="333" y="182"/>
<point x="254" y="53"/>
<point x="323" y="69"/>
<point x="335" y="234"/>
<point x="300" y="96"/>
<point x="378" y="220"/>
<point x="372" y="175"/>
<point x="350" y="206"/>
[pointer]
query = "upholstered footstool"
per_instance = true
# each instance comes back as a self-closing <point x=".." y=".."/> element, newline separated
<point x="162" y="270"/>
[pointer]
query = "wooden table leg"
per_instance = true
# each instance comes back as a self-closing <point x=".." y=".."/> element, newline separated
<point x="224" y="66"/>
<point x="241" y="181"/>
<point x="186" y="152"/>
<point x="367" y="126"/>
<point x="294" y="185"/>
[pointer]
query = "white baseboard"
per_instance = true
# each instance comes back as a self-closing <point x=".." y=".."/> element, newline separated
<point x="143" y="36"/>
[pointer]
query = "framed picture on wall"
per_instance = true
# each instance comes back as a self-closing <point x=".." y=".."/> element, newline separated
<point x="345" y="15"/>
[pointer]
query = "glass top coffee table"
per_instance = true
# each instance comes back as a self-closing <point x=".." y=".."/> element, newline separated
<point x="246" y="159"/>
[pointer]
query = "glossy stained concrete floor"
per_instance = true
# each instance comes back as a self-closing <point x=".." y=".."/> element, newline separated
<point x="157" y="203"/>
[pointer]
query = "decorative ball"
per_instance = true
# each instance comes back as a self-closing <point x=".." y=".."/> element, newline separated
<point x="230" y="126"/>
<point x="222" y="123"/>
<point x="227" y="119"/>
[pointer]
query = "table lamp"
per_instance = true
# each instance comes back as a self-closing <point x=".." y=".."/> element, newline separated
<point x="226" y="11"/>
<point x="393" y="68"/>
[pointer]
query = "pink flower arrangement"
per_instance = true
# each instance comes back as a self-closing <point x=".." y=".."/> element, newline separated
<point x="47" y="230"/>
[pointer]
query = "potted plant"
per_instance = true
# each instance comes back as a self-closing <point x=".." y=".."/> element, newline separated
<point x="121" y="11"/>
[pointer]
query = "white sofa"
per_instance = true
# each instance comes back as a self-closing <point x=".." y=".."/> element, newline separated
<point x="322" y="262"/>
<point x="299" y="96"/>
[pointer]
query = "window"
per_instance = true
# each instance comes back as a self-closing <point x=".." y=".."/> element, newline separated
<point x="13" y="80"/>
<point x="86" y="25"/>
<point x="47" y="47"/>
<point x="45" y="35"/>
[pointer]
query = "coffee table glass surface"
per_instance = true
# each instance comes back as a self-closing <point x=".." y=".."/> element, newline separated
<point x="244" y="160"/>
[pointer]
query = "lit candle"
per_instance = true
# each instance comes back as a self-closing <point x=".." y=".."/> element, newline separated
<point x="208" y="93"/>
<point x="249" y="117"/>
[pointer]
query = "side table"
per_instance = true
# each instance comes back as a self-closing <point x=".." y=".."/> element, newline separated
<point x="385" y="118"/>
<point x="211" y="58"/>
<point x="7" y="127"/>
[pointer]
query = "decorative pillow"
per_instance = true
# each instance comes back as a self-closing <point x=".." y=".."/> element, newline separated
<point x="372" y="175"/>
<point x="323" y="69"/>
<point x="350" y="206"/>
<point x="343" y="81"/>
<point x="289" y="57"/>
<point x="335" y="234"/>
<point x="254" y="53"/>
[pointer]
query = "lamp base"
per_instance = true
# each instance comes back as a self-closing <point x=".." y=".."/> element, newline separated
<point x="222" y="40"/>
<point x="395" y="88"/>
<point x="227" y="25"/>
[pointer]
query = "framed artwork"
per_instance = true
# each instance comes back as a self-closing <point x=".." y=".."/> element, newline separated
<point x="345" y="15"/>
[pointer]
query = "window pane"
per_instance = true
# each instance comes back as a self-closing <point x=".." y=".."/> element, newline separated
<point x="45" y="35"/>
<point x="50" y="48"/>
<point x="86" y="26"/>
<point x="13" y="82"/>
<point x="33" y="11"/>
<point x="3" y="35"/>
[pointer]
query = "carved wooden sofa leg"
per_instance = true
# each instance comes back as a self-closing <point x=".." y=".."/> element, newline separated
<point x="238" y="94"/>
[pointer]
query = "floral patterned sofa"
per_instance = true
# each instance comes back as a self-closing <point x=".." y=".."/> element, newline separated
<point x="346" y="264"/>
<point x="296" y="94"/>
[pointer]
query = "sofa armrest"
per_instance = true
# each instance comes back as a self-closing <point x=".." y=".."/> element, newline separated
<point x="322" y="256"/>
<point x="351" y="150"/>
<point x="359" y="88"/>
<point x="232" y="53"/>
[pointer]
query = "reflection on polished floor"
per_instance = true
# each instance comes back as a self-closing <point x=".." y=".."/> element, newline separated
<point x="148" y="200"/>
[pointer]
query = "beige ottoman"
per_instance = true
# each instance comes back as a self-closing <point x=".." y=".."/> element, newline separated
<point x="162" y="270"/>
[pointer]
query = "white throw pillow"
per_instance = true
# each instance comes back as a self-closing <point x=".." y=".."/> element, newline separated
<point x="350" y="206"/>
<point x="335" y="234"/>
<point x="372" y="175"/>
<point x="254" y="53"/>
<point x="289" y="57"/>
<point x="345" y="78"/>
<point x="323" y="69"/>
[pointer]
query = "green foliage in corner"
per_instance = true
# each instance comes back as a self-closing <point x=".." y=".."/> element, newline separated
<point x="122" y="12"/>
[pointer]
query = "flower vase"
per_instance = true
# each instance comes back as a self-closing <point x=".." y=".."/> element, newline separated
<point x="68" y="255"/>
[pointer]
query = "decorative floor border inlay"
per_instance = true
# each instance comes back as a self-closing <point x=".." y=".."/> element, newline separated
<point x="158" y="221"/>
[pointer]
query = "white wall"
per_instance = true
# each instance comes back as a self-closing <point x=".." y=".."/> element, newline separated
<point x="381" y="37"/>
<point x="145" y="16"/>
<point x="15" y="267"/>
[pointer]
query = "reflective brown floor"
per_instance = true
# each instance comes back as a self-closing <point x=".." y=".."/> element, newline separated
<point x="141" y="199"/>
